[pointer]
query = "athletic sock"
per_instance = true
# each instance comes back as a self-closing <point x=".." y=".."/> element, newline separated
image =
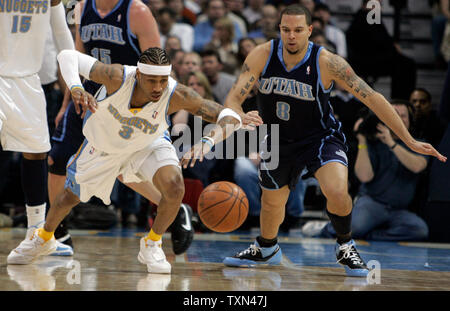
<point x="45" y="235"/>
<point x="35" y="218"/>
<point x="343" y="227"/>
<point x="153" y="236"/>
<point x="266" y="242"/>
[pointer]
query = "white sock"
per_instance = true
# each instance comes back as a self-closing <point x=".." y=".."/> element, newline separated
<point x="35" y="218"/>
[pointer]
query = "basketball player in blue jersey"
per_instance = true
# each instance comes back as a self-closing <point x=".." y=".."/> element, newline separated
<point x="295" y="79"/>
<point x="125" y="134"/>
<point x="24" y="26"/>
<point x="113" y="32"/>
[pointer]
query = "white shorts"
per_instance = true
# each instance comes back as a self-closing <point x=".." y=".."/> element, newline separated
<point x="91" y="172"/>
<point x="23" y="115"/>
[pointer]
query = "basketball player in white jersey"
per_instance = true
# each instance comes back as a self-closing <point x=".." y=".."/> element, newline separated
<point x="24" y="26"/>
<point x="124" y="133"/>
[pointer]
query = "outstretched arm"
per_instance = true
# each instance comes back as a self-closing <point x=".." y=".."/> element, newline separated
<point x="227" y="120"/>
<point x="250" y="73"/>
<point x="335" y="68"/>
<point x="73" y="64"/>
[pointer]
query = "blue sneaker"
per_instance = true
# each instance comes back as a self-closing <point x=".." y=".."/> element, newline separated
<point x="348" y="256"/>
<point x="255" y="255"/>
<point x="62" y="250"/>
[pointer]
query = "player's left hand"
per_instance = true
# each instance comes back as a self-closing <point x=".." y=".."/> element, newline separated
<point x="197" y="152"/>
<point x="85" y="100"/>
<point x="427" y="149"/>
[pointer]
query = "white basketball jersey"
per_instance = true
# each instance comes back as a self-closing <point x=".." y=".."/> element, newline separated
<point x="23" y="29"/>
<point x="115" y="127"/>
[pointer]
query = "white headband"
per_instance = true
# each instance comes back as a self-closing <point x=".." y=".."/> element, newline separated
<point x="154" y="70"/>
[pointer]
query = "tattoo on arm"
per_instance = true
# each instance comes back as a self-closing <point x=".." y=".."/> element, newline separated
<point x="342" y="71"/>
<point x="208" y="109"/>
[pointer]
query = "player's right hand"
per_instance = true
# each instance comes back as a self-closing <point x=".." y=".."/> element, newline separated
<point x="251" y="120"/>
<point x="83" y="99"/>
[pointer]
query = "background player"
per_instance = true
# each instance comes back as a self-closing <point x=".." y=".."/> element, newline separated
<point x="296" y="77"/>
<point x="23" y="121"/>
<point x="120" y="140"/>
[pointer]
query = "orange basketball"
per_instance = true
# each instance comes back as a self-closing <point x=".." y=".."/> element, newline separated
<point x="223" y="206"/>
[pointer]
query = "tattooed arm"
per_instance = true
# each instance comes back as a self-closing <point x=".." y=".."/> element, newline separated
<point x="187" y="99"/>
<point x="111" y="76"/>
<point x="250" y="73"/>
<point x="335" y="68"/>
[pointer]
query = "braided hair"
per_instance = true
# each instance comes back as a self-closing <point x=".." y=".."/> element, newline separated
<point x="154" y="56"/>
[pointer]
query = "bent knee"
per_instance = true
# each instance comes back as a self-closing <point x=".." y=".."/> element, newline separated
<point x="172" y="188"/>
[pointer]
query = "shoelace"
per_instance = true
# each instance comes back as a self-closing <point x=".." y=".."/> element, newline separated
<point x="253" y="249"/>
<point x="350" y="252"/>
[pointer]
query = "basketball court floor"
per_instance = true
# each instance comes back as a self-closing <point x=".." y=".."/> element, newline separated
<point x="106" y="260"/>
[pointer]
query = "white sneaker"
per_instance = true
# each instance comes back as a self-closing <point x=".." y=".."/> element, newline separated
<point x="62" y="250"/>
<point x="30" y="249"/>
<point x="152" y="255"/>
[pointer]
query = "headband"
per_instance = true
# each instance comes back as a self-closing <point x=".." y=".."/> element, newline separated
<point x="154" y="70"/>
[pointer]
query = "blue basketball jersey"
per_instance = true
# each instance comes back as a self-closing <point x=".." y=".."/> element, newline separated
<point x="296" y="99"/>
<point x="109" y="39"/>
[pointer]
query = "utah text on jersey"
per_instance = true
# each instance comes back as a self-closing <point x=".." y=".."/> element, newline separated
<point x="286" y="87"/>
<point x="103" y="32"/>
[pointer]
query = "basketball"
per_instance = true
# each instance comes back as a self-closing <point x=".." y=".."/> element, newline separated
<point x="223" y="206"/>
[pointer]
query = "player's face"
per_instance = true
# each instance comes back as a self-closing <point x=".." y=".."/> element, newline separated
<point x="294" y="33"/>
<point x="153" y="86"/>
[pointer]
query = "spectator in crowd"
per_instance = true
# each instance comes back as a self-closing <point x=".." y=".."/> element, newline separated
<point x="204" y="29"/>
<point x="176" y="57"/>
<point x="253" y="12"/>
<point x="172" y="43"/>
<point x="234" y="12"/>
<point x="332" y="33"/>
<point x="223" y="42"/>
<point x="318" y="37"/>
<point x="309" y="4"/>
<point x="169" y="26"/>
<point x="191" y="62"/>
<point x="389" y="173"/>
<point x="245" y="45"/>
<point x="441" y="15"/>
<point x="182" y="13"/>
<point x="427" y="124"/>
<point x="267" y="25"/>
<point x="183" y="120"/>
<point x="373" y="53"/>
<point x="155" y="6"/>
<point x="220" y="81"/>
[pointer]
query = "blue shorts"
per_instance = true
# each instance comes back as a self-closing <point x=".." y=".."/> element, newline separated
<point x="293" y="158"/>
<point x="66" y="140"/>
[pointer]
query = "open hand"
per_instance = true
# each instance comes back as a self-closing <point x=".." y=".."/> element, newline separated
<point x="83" y="99"/>
<point x="197" y="152"/>
<point x="251" y="120"/>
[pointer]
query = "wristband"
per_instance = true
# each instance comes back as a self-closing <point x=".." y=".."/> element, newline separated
<point x="362" y="146"/>
<point x="208" y="140"/>
<point x="229" y="112"/>
<point x="76" y="87"/>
